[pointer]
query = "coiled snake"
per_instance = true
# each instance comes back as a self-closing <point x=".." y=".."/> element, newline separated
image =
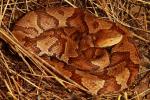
<point x="96" y="53"/>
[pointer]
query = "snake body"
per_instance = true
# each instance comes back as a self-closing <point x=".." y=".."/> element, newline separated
<point x="96" y="53"/>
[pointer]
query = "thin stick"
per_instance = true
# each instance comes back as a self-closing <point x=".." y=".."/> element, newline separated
<point x="148" y="90"/>
<point x="9" y="89"/>
<point x="70" y="3"/>
<point x="144" y="2"/>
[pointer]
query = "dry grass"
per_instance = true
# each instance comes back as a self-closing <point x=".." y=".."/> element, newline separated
<point x="27" y="76"/>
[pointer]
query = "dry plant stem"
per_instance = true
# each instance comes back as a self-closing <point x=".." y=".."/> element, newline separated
<point x="141" y="38"/>
<point x="4" y="61"/>
<point x="3" y="12"/>
<point x="29" y="1"/>
<point x="48" y="91"/>
<point x="54" y="95"/>
<point x="92" y="4"/>
<point x="26" y="79"/>
<point x="45" y="76"/>
<point x="119" y="97"/>
<point x="9" y="87"/>
<point x="109" y="95"/>
<point x="21" y="10"/>
<point x="9" y="82"/>
<point x="104" y="6"/>
<point x="144" y="2"/>
<point x="138" y="97"/>
<point x="15" y="84"/>
<point x="141" y="94"/>
<point x="39" y="63"/>
<point x="30" y="68"/>
<point x="111" y="9"/>
<point x="10" y="91"/>
<point x="70" y="3"/>
<point x="144" y="71"/>
<point x="20" y="88"/>
<point x="125" y="95"/>
<point x="27" y="7"/>
<point x="40" y="81"/>
<point x="17" y="87"/>
<point x="38" y="60"/>
<point x="37" y="4"/>
<point x="11" y="71"/>
<point x="12" y="13"/>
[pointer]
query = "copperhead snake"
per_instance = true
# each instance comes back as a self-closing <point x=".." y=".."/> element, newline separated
<point x="96" y="53"/>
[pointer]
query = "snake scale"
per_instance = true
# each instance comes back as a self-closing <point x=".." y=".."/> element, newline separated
<point x="96" y="53"/>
